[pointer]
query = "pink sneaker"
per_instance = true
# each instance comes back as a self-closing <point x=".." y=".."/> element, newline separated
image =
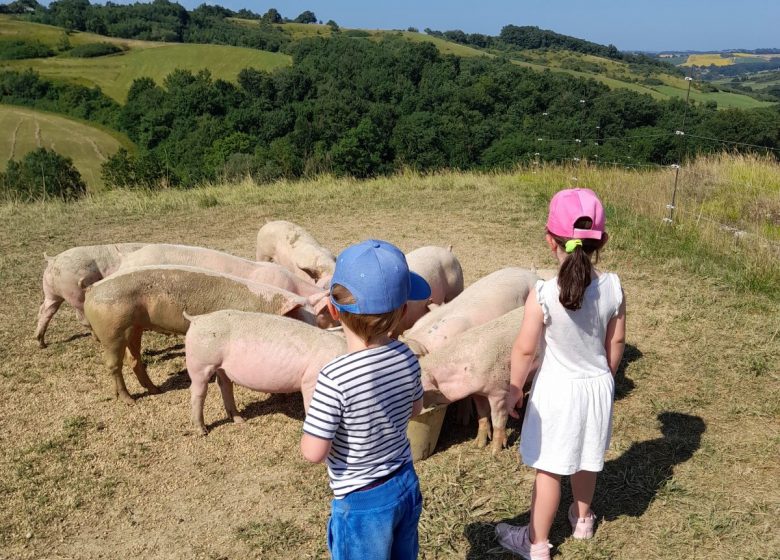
<point x="582" y="527"/>
<point x="517" y="540"/>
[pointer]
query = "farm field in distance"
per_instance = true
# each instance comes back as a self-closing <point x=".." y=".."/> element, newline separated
<point x="24" y="130"/>
<point x="114" y="74"/>
<point x="691" y="470"/>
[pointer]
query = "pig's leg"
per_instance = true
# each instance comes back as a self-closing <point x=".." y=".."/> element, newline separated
<point x="113" y="354"/>
<point x="139" y="367"/>
<point x="483" y="413"/>
<point x="499" y="417"/>
<point x="47" y="310"/>
<point x="198" y="387"/>
<point x="228" y="398"/>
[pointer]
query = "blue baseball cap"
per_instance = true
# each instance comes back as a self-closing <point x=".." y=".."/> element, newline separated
<point x="376" y="274"/>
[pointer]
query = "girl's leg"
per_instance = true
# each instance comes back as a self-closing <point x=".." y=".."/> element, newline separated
<point x="583" y="484"/>
<point x="544" y="503"/>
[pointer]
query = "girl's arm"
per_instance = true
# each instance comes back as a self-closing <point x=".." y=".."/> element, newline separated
<point x="524" y="352"/>
<point x="615" y="341"/>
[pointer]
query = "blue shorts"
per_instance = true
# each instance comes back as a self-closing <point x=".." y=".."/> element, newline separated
<point x="378" y="524"/>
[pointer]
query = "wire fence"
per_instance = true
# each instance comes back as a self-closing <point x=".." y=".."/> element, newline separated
<point x="680" y="174"/>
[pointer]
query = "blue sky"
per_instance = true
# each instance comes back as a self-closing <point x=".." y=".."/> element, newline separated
<point x="628" y="24"/>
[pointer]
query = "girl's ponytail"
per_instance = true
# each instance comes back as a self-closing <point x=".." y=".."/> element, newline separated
<point x="574" y="277"/>
<point x="576" y="270"/>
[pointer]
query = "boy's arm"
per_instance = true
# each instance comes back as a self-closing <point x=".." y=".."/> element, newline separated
<point x="524" y="352"/>
<point x="615" y="341"/>
<point x="322" y="420"/>
<point x="314" y="449"/>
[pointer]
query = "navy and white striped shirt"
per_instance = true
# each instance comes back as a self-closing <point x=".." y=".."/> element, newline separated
<point x="363" y="403"/>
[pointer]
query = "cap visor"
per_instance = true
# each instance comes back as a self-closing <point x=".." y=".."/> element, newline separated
<point x="419" y="287"/>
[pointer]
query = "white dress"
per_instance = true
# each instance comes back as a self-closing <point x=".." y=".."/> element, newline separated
<point x="568" y="417"/>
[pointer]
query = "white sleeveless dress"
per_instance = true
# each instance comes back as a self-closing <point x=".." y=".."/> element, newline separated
<point x="568" y="417"/>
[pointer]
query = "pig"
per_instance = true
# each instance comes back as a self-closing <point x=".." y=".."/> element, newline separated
<point x="258" y="351"/>
<point x="225" y="263"/>
<point x="296" y="249"/>
<point x="121" y="307"/>
<point x="70" y="272"/>
<point x="486" y="299"/>
<point x="476" y="363"/>
<point x="442" y="270"/>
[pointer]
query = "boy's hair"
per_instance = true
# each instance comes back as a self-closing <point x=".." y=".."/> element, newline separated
<point x="367" y="327"/>
<point x="575" y="272"/>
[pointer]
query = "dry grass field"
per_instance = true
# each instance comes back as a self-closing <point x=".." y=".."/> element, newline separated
<point x="691" y="472"/>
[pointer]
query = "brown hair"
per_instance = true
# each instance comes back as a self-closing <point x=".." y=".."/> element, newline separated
<point x="367" y="327"/>
<point x="576" y="270"/>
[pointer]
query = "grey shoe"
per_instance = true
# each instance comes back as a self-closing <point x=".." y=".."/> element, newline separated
<point x="517" y="540"/>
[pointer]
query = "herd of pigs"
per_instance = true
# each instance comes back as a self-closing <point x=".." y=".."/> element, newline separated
<point x="265" y="325"/>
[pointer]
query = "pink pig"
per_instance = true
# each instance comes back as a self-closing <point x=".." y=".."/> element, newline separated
<point x="70" y="272"/>
<point x="476" y="363"/>
<point x="486" y="299"/>
<point x="258" y="351"/>
<point x="441" y="269"/>
<point x="225" y="263"/>
<point x="296" y="249"/>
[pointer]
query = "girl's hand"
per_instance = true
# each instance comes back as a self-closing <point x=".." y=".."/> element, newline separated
<point x="514" y="400"/>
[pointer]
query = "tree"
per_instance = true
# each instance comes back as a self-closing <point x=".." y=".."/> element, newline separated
<point x="272" y="16"/>
<point x="306" y="17"/>
<point x="333" y="25"/>
<point x="43" y="174"/>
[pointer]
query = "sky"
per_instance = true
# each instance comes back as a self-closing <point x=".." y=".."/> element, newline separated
<point x="650" y="25"/>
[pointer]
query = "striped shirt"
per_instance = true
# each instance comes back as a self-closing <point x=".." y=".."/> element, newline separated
<point x="363" y="403"/>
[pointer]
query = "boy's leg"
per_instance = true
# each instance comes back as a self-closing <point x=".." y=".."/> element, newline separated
<point x="583" y="484"/>
<point x="406" y="543"/>
<point x="365" y="524"/>
<point x="544" y="504"/>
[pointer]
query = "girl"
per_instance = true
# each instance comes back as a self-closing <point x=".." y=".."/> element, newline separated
<point x="580" y="316"/>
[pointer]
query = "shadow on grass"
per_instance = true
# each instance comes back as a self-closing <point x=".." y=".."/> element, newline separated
<point x="460" y="422"/>
<point x="288" y="404"/>
<point x="626" y="486"/>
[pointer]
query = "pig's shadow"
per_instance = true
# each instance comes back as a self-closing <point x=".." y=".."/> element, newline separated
<point x="456" y="429"/>
<point x="290" y="405"/>
<point x="626" y="487"/>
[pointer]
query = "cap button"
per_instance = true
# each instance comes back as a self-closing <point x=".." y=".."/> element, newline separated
<point x="377" y="245"/>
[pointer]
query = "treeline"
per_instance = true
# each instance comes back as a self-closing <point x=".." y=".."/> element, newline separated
<point x="163" y="20"/>
<point x="362" y="108"/>
<point x="515" y="37"/>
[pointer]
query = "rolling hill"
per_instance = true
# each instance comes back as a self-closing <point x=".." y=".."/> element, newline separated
<point x="115" y="73"/>
<point x="24" y="130"/>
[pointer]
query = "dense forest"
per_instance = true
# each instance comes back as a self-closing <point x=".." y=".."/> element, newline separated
<point x="362" y="107"/>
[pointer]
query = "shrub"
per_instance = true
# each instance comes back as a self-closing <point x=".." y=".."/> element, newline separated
<point x="17" y="49"/>
<point x="357" y="33"/>
<point x="92" y="50"/>
<point x="40" y="175"/>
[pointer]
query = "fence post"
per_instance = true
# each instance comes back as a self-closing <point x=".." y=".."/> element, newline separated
<point x="681" y="133"/>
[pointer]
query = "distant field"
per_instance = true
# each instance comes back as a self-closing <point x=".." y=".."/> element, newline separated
<point x="114" y="74"/>
<point x="723" y="98"/>
<point x="50" y="35"/>
<point x="24" y="130"/>
<point x="708" y="60"/>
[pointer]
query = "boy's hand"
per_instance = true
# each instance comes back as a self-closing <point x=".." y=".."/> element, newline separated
<point x="514" y="400"/>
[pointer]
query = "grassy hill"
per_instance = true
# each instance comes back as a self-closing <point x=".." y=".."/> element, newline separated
<point x="24" y="130"/>
<point x="115" y="73"/>
<point x="693" y="456"/>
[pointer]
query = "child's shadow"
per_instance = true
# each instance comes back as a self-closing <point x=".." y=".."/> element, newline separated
<point x="626" y="486"/>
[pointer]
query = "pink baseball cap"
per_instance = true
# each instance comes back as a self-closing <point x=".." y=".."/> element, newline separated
<point x="568" y="206"/>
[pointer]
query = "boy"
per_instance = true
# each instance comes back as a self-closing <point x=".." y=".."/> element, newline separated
<point x="358" y="415"/>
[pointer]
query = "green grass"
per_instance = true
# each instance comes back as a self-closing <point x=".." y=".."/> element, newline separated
<point x="24" y="130"/>
<point x="85" y="476"/>
<point x="114" y="74"/>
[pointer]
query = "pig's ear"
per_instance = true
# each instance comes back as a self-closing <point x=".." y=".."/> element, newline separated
<point x="291" y="305"/>
<point x="319" y="302"/>
<point x="324" y="281"/>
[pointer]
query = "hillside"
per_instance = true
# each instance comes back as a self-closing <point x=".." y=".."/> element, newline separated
<point x="115" y="73"/>
<point x="23" y="130"/>
<point x="693" y="456"/>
